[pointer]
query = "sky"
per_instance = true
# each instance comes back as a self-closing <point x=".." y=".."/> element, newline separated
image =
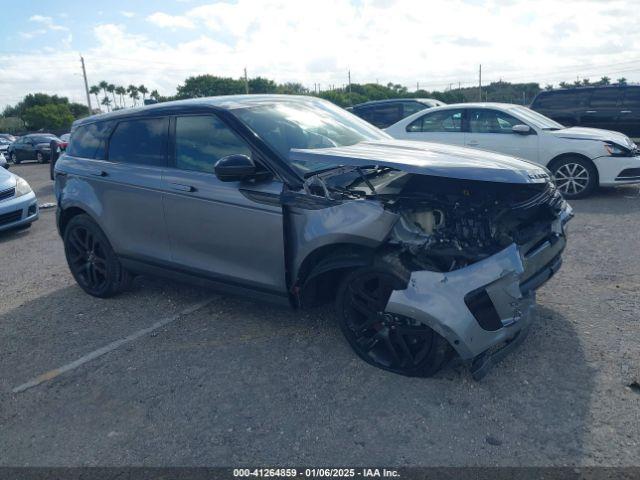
<point x="435" y="44"/>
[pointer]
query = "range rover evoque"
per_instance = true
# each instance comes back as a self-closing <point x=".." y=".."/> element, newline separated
<point x="427" y="250"/>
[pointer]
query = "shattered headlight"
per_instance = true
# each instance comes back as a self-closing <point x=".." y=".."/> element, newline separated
<point x="22" y="187"/>
<point x="614" y="150"/>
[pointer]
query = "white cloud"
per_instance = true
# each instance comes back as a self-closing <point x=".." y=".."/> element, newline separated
<point x="164" y="20"/>
<point x="47" y="22"/>
<point x="127" y="14"/>
<point x="436" y="43"/>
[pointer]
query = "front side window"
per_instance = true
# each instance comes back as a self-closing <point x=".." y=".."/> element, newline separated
<point x="632" y="98"/>
<point x="142" y="142"/>
<point x="90" y="141"/>
<point x="482" y="120"/>
<point x="203" y="140"/>
<point x="440" y="121"/>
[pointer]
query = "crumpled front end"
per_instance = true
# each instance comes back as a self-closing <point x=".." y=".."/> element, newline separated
<point x="484" y="309"/>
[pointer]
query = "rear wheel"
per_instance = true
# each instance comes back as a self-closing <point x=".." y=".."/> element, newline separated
<point x="14" y="158"/>
<point x="92" y="261"/>
<point x="575" y="177"/>
<point x="40" y="157"/>
<point x="388" y="341"/>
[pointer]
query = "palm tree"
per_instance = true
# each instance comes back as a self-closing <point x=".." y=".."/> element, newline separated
<point x="622" y="81"/>
<point x="133" y="93"/>
<point x="155" y="95"/>
<point x="95" y="90"/>
<point x="605" y="81"/>
<point x="121" y="92"/>
<point x="103" y="86"/>
<point x="106" y="101"/>
<point x="585" y="81"/>
<point x="548" y="86"/>
<point x="143" y="90"/>
<point x="111" y="88"/>
<point x="564" y="85"/>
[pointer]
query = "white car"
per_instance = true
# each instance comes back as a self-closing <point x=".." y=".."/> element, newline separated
<point x="580" y="159"/>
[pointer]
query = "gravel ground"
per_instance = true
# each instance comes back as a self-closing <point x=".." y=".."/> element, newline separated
<point x="242" y="383"/>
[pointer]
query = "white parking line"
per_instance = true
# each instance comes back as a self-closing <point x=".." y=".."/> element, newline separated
<point x="51" y="374"/>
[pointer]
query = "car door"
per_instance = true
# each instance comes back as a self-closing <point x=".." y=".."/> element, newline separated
<point x="492" y="130"/>
<point x="604" y="109"/>
<point x="128" y="186"/>
<point x="24" y="148"/>
<point x="440" y="126"/>
<point x="227" y="231"/>
<point x="629" y="114"/>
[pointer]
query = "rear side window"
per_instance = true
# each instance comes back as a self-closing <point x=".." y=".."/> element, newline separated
<point x="412" y="107"/>
<point x="483" y="120"/>
<point x="606" y="97"/>
<point x="203" y="140"/>
<point x="382" y="115"/>
<point x="441" y="121"/>
<point x="142" y="142"/>
<point x="90" y="141"/>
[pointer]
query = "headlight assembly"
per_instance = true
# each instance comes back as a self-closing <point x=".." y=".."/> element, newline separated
<point x="22" y="187"/>
<point x="615" y="150"/>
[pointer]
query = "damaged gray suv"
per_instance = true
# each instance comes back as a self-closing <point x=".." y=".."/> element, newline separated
<point x="427" y="250"/>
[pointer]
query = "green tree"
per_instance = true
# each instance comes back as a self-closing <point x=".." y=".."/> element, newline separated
<point x="548" y="87"/>
<point x="622" y="81"/>
<point x="605" y="81"/>
<point x="262" y="85"/>
<point x="106" y="101"/>
<point x="48" y="117"/>
<point x="95" y="90"/>
<point x="563" y="85"/>
<point x="78" y="110"/>
<point x="292" y="88"/>
<point x="121" y="92"/>
<point x="103" y="86"/>
<point x="143" y="91"/>
<point x="132" y="90"/>
<point x="111" y="88"/>
<point x="208" y="86"/>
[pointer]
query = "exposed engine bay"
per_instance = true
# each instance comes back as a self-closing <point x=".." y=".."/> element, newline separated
<point x="446" y="224"/>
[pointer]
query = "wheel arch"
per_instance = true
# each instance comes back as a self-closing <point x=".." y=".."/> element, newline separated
<point x="565" y="156"/>
<point x="322" y="270"/>
<point x="68" y="213"/>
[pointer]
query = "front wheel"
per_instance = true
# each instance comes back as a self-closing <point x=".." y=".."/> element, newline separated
<point x="92" y="261"/>
<point x="575" y="177"/>
<point x="388" y="341"/>
<point x="40" y="157"/>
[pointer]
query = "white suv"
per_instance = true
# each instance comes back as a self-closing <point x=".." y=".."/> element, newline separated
<point x="579" y="158"/>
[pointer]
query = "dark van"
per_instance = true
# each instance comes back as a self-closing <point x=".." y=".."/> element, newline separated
<point x="609" y="107"/>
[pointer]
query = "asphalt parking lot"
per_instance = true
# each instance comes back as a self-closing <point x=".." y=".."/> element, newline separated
<point x="230" y="382"/>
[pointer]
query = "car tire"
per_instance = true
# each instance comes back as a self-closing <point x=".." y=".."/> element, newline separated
<point x="14" y="158"/>
<point x="575" y="177"/>
<point x="387" y="341"/>
<point x="91" y="259"/>
<point x="40" y="157"/>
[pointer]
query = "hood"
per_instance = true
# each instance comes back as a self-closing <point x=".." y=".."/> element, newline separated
<point x="582" y="133"/>
<point x="7" y="179"/>
<point x="432" y="159"/>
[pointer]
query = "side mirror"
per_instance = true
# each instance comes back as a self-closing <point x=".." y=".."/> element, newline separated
<point x="234" y="168"/>
<point x="521" y="129"/>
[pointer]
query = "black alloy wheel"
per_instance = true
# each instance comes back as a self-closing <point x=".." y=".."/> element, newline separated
<point x="91" y="259"/>
<point x="14" y="158"/>
<point x="388" y="341"/>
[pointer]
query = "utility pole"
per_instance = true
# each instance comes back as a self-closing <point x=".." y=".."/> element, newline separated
<point x="350" y="102"/>
<point x="86" y="84"/>
<point x="417" y="86"/>
<point x="246" y="81"/>
<point x="480" y="83"/>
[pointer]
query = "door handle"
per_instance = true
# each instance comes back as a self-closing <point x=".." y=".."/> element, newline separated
<point x="625" y="111"/>
<point x="591" y="111"/>
<point x="98" y="173"/>
<point x="182" y="188"/>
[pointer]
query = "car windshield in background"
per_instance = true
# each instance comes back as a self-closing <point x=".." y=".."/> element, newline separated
<point x="287" y="125"/>
<point x="537" y="119"/>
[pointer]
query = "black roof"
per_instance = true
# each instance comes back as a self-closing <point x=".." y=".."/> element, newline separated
<point x="393" y="100"/>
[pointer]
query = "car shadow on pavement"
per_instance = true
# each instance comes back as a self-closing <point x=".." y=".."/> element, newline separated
<point x="241" y="381"/>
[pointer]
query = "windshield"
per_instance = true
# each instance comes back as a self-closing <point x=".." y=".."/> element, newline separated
<point x="537" y="119"/>
<point x="285" y="125"/>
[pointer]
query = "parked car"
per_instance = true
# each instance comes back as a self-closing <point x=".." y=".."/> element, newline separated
<point x="383" y="113"/>
<point x="8" y="136"/>
<point x="607" y="107"/>
<point x="35" y="146"/>
<point x="57" y="148"/>
<point x="4" y="146"/>
<point x="580" y="159"/>
<point x="424" y="249"/>
<point x="3" y="161"/>
<point x="18" y="203"/>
